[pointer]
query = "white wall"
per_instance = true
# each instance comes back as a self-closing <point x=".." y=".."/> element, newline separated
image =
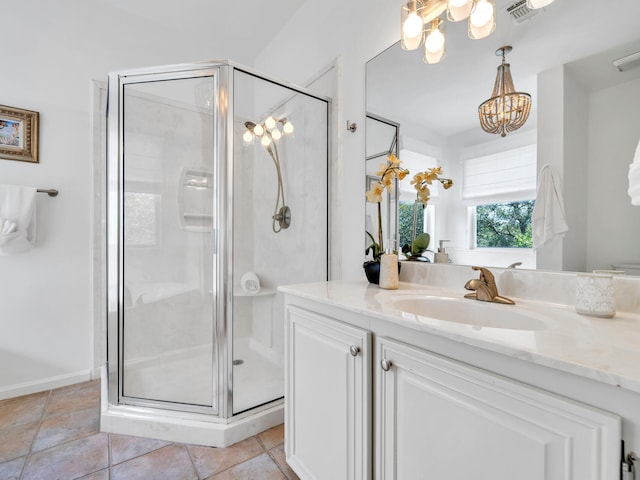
<point x="613" y="223"/>
<point x="551" y="147"/>
<point x="574" y="174"/>
<point x="590" y="140"/>
<point x="57" y="48"/>
<point x="320" y="32"/>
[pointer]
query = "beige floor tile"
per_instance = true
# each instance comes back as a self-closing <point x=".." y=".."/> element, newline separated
<point x="210" y="460"/>
<point x="272" y="437"/>
<point x="11" y="470"/>
<point x="21" y="410"/>
<point x="124" y="447"/>
<point x="66" y="427"/>
<point x="168" y="463"/>
<point x="101" y="475"/>
<point x="70" y="400"/>
<point x="258" y="468"/>
<point x="70" y="460"/>
<point x="16" y="442"/>
<point x="277" y="453"/>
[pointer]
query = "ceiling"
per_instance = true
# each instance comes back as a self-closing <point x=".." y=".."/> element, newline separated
<point x="444" y="98"/>
<point x="214" y="19"/>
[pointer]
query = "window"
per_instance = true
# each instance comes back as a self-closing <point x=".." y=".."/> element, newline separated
<point x="504" y="225"/>
<point x="500" y="187"/>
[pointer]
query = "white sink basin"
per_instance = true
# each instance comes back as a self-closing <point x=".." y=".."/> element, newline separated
<point x="469" y="312"/>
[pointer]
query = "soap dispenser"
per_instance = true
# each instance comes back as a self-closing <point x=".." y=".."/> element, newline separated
<point x="389" y="271"/>
<point x="441" y="256"/>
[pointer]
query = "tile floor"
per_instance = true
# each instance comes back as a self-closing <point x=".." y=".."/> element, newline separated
<point x="56" y="435"/>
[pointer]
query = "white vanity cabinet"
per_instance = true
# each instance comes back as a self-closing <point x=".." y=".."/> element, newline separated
<point x="440" y="409"/>
<point x="440" y="419"/>
<point x="328" y="397"/>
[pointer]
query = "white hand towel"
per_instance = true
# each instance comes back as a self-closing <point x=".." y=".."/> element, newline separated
<point x="250" y="283"/>
<point x="634" y="178"/>
<point x="548" y="218"/>
<point x="17" y="219"/>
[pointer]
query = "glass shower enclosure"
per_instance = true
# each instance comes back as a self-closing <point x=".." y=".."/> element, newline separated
<point x="217" y="194"/>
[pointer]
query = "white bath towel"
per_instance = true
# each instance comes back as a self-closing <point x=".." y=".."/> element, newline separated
<point x="548" y="219"/>
<point x="634" y="178"/>
<point x="17" y="219"/>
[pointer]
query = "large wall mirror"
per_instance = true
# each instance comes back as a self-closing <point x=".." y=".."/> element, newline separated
<point x="584" y="124"/>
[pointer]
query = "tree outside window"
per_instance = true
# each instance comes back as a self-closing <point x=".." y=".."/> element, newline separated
<point x="504" y="225"/>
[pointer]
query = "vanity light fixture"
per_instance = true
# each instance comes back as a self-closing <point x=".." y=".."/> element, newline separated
<point x="422" y="22"/>
<point x="506" y="110"/>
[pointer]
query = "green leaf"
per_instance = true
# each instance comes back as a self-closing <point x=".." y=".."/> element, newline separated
<point x="420" y="244"/>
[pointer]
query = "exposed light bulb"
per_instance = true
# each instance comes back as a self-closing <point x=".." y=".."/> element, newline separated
<point x="482" y="14"/>
<point x="270" y="123"/>
<point x="258" y="130"/>
<point x="412" y="26"/>
<point x="534" y="4"/>
<point x="458" y="10"/>
<point x="275" y="133"/>
<point x="287" y="127"/>
<point x="265" y="140"/>
<point x="247" y="137"/>
<point x="434" y="41"/>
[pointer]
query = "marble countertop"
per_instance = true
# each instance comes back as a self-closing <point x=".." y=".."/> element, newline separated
<point x="603" y="349"/>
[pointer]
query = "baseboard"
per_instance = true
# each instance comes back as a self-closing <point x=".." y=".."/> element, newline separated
<point x="40" y="385"/>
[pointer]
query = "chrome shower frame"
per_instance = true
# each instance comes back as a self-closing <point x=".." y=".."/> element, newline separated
<point x="223" y="74"/>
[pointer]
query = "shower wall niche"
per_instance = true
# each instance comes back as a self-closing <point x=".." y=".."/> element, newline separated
<point x="217" y="194"/>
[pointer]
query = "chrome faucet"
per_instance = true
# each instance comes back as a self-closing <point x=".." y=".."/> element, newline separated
<point x="485" y="288"/>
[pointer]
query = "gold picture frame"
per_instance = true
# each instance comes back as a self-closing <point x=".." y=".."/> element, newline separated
<point x="18" y="134"/>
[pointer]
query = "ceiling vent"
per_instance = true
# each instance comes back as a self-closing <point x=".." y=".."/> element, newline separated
<point x="627" y="63"/>
<point x="520" y="13"/>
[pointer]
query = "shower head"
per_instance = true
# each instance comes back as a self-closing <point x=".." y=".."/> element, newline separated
<point x="249" y="125"/>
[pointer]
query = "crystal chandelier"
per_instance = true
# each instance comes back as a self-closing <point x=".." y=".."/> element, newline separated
<point x="506" y="110"/>
<point x="422" y="22"/>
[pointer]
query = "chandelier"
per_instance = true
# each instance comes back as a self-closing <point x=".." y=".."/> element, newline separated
<point x="506" y="110"/>
<point x="422" y="22"/>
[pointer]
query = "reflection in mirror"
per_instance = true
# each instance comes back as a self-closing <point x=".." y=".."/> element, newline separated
<point x="381" y="141"/>
<point x="584" y="124"/>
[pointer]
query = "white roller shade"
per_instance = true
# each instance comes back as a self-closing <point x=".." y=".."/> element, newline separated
<point x="503" y="176"/>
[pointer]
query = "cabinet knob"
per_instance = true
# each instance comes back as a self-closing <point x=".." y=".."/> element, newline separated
<point x="386" y="365"/>
<point x="354" y="350"/>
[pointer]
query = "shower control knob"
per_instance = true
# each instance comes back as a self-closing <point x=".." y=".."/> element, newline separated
<point x="354" y="350"/>
<point x="386" y="365"/>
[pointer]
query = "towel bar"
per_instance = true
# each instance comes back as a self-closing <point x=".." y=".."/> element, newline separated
<point x="52" y="192"/>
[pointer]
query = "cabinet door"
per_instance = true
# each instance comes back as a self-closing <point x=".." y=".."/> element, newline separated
<point x="440" y="419"/>
<point x="327" y="399"/>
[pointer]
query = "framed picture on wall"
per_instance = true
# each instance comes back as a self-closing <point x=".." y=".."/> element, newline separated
<point x="18" y="134"/>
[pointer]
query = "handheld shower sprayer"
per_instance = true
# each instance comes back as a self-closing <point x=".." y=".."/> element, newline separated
<point x="269" y="134"/>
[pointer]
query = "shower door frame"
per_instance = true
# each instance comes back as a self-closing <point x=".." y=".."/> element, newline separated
<point x="115" y="232"/>
<point x="222" y="241"/>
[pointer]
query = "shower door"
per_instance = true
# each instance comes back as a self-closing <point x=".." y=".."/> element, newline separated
<point x="166" y="202"/>
<point x="280" y="223"/>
